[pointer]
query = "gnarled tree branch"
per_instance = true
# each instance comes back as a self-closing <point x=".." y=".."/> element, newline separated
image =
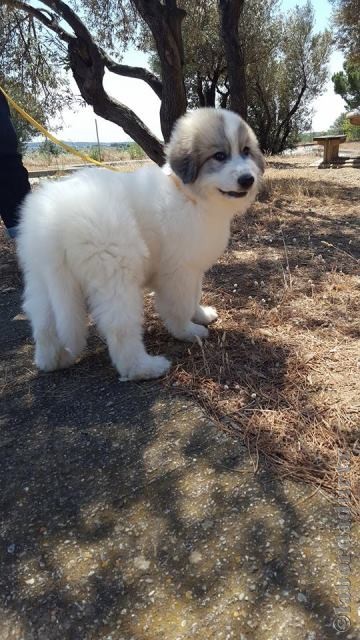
<point x="48" y="19"/>
<point x="133" y="72"/>
<point x="87" y="62"/>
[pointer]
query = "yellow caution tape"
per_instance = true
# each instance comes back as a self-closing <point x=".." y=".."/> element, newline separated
<point x="49" y="135"/>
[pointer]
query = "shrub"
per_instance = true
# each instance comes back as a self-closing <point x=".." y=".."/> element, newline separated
<point x="49" y="149"/>
<point x="135" y="151"/>
<point x="94" y="153"/>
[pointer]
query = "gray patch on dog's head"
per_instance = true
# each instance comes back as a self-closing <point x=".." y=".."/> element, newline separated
<point x="259" y="158"/>
<point x="255" y="150"/>
<point x="247" y="138"/>
<point x="185" y="167"/>
<point x="195" y="138"/>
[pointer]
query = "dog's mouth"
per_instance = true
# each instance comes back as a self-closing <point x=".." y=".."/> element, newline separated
<point x="234" y="194"/>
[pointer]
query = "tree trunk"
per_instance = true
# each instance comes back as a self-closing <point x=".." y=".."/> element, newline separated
<point x="164" y="22"/>
<point x="199" y="90"/>
<point x="230" y="11"/>
<point x="283" y="128"/>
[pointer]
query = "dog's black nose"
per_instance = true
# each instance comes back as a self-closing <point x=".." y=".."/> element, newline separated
<point x="246" y="180"/>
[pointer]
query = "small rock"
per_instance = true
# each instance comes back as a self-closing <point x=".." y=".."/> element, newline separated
<point x="195" y="557"/>
<point x="301" y="597"/>
<point x="141" y="563"/>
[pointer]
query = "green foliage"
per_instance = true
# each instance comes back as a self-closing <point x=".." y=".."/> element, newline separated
<point x="346" y="20"/>
<point x="351" y="131"/>
<point x="32" y="68"/>
<point x="291" y="72"/>
<point x="342" y="125"/>
<point x="286" y="65"/>
<point x="24" y="131"/>
<point x="285" y="60"/>
<point x="347" y="83"/>
<point x="93" y="152"/>
<point x="135" y="151"/>
<point x="49" y="149"/>
<point x="308" y="136"/>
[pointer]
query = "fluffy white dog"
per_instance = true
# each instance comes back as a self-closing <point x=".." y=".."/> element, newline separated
<point x="94" y="241"/>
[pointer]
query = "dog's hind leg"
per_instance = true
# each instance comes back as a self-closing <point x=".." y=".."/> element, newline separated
<point x="68" y="304"/>
<point x="49" y="353"/>
<point x="117" y="308"/>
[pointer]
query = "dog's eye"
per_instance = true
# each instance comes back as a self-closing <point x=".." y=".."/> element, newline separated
<point x="246" y="151"/>
<point x="220" y="156"/>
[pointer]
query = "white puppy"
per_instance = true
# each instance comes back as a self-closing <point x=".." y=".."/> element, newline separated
<point x="94" y="241"/>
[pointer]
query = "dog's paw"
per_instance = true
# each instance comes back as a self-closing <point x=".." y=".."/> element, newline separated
<point x="191" y="332"/>
<point x="205" y="315"/>
<point x="145" y="369"/>
<point x="52" y="357"/>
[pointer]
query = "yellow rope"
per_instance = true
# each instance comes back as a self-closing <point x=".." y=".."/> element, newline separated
<point x="49" y="135"/>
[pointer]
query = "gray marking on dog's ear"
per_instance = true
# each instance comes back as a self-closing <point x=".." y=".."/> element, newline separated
<point x="259" y="159"/>
<point x="185" y="167"/>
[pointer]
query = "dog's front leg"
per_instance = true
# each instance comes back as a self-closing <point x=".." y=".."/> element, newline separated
<point x="203" y="315"/>
<point x="176" y="300"/>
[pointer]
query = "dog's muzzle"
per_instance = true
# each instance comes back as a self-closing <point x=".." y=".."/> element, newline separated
<point x="245" y="181"/>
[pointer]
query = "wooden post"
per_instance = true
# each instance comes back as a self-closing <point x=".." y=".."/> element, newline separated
<point x="98" y="142"/>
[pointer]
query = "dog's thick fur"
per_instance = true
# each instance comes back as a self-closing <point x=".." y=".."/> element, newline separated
<point x="94" y="241"/>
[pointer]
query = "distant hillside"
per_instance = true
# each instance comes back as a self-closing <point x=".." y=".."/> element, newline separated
<point x="34" y="146"/>
<point x="308" y="136"/>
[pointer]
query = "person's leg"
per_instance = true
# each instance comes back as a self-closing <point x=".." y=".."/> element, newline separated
<point x="14" y="186"/>
<point x="14" y="179"/>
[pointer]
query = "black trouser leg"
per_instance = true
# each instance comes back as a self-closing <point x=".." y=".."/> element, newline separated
<point x="14" y="185"/>
<point x="14" y="179"/>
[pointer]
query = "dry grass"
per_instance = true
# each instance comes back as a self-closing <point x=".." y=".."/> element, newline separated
<point x="281" y="370"/>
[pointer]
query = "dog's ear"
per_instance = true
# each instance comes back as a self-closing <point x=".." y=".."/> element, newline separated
<point x="181" y="152"/>
<point x="256" y="152"/>
<point x="259" y="159"/>
<point x="184" y="166"/>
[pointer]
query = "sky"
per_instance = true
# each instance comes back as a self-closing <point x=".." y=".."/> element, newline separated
<point x="79" y="123"/>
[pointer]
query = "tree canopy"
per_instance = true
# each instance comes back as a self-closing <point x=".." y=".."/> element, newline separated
<point x="241" y="55"/>
<point x="285" y="66"/>
<point x="346" y="18"/>
<point x="342" y="125"/>
<point x="31" y="68"/>
<point x="347" y="84"/>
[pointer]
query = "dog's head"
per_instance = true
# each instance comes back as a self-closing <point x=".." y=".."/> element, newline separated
<point x="217" y="155"/>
